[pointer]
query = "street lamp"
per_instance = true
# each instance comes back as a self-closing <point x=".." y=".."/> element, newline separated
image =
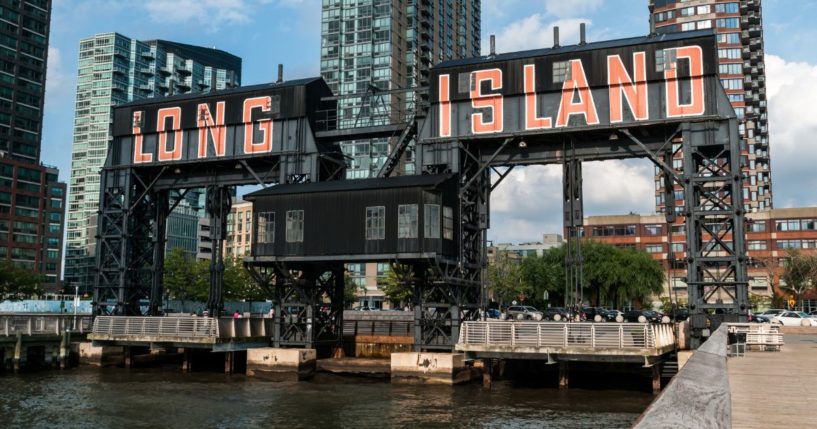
<point x="76" y="305"/>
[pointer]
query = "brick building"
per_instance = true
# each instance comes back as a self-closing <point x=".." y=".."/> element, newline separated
<point x="770" y="234"/>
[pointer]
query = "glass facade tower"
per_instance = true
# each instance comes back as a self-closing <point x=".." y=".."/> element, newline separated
<point x="372" y="46"/>
<point x="739" y="28"/>
<point x="114" y="69"/>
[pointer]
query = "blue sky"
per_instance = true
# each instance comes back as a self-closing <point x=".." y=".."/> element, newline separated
<point x="267" y="32"/>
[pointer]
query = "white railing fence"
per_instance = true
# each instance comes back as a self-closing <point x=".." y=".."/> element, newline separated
<point x="593" y="335"/>
<point x="11" y="325"/>
<point x="157" y="326"/>
<point x="183" y="326"/>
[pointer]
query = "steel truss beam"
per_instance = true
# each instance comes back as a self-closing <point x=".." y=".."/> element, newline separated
<point x="307" y="302"/>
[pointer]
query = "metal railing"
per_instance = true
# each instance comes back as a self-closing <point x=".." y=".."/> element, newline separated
<point x="387" y="328"/>
<point x="565" y="335"/>
<point x="766" y="336"/>
<point x="11" y="325"/>
<point x="157" y="326"/>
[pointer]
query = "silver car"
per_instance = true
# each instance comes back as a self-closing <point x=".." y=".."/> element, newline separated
<point x="523" y="312"/>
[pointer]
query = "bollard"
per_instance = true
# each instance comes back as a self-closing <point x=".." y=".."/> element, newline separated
<point x="18" y="352"/>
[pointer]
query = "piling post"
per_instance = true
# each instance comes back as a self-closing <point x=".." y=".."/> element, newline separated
<point x="228" y="362"/>
<point x="187" y="363"/>
<point x="62" y="359"/>
<point x="18" y="352"/>
<point x="564" y="375"/>
<point x="656" y="378"/>
<point x="128" y="352"/>
<point x="487" y="373"/>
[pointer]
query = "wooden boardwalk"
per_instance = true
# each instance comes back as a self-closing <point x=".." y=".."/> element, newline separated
<point x="776" y="389"/>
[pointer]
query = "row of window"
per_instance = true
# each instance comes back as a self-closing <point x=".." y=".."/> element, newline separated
<point x="407" y="223"/>
<point x="796" y="225"/>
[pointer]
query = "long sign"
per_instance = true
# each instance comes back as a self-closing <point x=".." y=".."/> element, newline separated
<point x="628" y="81"/>
<point x="245" y="122"/>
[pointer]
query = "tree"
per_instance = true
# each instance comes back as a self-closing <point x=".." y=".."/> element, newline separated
<point x="398" y="284"/>
<point x="506" y="281"/>
<point x="349" y="290"/>
<point x="800" y="273"/>
<point x="184" y="278"/>
<point x="611" y="275"/>
<point x="238" y="284"/>
<point x="17" y="283"/>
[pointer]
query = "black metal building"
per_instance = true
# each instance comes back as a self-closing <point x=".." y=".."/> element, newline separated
<point x="401" y="218"/>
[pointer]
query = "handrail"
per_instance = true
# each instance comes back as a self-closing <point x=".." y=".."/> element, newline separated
<point x="590" y="335"/>
<point x="157" y="326"/>
<point x="13" y="324"/>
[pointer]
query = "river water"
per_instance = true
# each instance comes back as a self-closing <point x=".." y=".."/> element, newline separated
<point x="156" y="398"/>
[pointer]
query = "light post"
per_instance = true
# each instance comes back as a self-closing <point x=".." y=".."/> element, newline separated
<point x="76" y="304"/>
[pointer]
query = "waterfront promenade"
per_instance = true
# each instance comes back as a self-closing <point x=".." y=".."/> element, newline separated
<point x="774" y="389"/>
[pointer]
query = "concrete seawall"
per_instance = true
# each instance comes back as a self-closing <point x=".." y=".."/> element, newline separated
<point x="699" y="395"/>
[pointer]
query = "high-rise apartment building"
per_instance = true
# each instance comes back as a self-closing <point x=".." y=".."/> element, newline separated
<point x="739" y="29"/>
<point x="32" y="200"/>
<point x="370" y="46"/>
<point x="114" y="69"/>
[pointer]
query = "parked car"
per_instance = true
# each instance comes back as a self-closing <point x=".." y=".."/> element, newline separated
<point x="681" y="314"/>
<point x="768" y="314"/>
<point x="813" y="313"/>
<point x="551" y="312"/>
<point x="611" y="315"/>
<point x="651" y="316"/>
<point x="794" y="318"/>
<point x="492" y="313"/>
<point x="523" y="312"/>
<point x="590" y="313"/>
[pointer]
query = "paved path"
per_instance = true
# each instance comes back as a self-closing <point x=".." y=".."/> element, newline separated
<point x="776" y="389"/>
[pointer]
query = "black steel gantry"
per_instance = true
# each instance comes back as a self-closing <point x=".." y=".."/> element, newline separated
<point x="308" y="293"/>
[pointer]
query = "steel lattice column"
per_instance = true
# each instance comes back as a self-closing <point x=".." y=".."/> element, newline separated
<point x="716" y="251"/>
<point x="218" y="206"/>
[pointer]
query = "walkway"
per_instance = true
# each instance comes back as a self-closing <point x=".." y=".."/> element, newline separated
<point x="776" y="389"/>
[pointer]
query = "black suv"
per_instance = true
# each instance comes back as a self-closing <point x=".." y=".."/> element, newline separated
<point x="651" y="316"/>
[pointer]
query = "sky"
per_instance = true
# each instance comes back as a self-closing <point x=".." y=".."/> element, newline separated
<point x="528" y="203"/>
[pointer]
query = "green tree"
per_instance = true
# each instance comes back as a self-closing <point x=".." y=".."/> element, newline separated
<point x="800" y="273"/>
<point x="398" y="284"/>
<point x="184" y="278"/>
<point x="238" y="284"/>
<point x="17" y="283"/>
<point x="349" y="291"/>
<point x="611" y="275"/>
<point x="506" y="282"/>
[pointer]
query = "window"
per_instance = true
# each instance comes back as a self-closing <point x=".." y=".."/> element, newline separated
<point x="731" y="54"/>
<point x="431" y="221"/>
<point x="788" y="244"/>
<point x="678" y="247"/>
<point x="731" y="68"/>
<point x="730" y="38"/>
<point x="407" y="221"/>
<point x="376" y="223"/>
<point x="295" y="226"/>
<point x="788" y="225"/>
<point x="757" y="245"/>
<point x="728" y="23"/>
<point x="266" y="228"/>
<point x="654" y="248"/>
<point x="757" y="226"/>
<point x="448" y="223"/>
<point x="726" y="8"/>
<point x="652" y="229"/>
<point x="560" y="71"/>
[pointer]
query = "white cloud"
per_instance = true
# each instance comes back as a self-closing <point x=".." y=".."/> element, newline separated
<point x="536" y="32"/>
<point x="529" y="202"/>
<point x="571" y="8"/>
<point x="791" y="91"/>
<point x="58" y="83"/>
<point x="209" y="12"/>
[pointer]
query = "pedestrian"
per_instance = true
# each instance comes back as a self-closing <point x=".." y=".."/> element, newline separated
<point x="236" y="315"/>
<point x="271" y="312"/>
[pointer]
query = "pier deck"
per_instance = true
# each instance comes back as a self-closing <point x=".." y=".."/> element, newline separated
<point x="774" y="389"/>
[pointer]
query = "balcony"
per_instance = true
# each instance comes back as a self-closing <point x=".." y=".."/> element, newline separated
<point x="148" y="55"/>
<point x="147" y="71"/>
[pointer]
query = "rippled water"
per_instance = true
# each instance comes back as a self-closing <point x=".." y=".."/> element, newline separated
<point x="150" y="398"/>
